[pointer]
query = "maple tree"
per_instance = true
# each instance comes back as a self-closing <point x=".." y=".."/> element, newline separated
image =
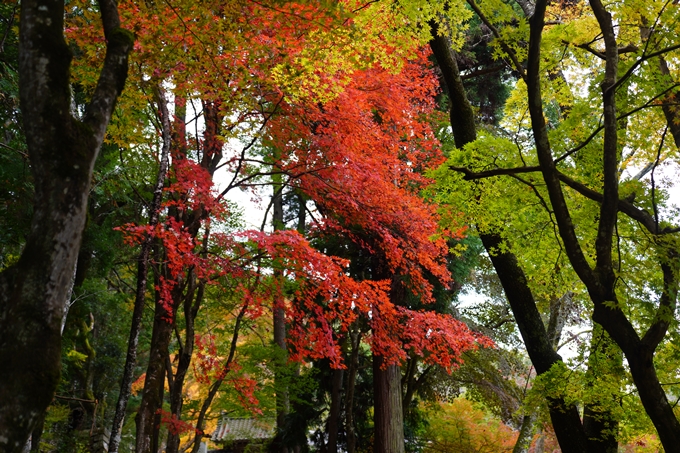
<point x="401" y="233"/>
<point x="355" y="192"/>
<point x="331" y="106"/>
<point x="581" y="176"/>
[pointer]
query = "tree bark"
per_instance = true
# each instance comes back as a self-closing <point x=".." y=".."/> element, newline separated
<point x="599" y="423"/>
<point x="62" y="152"/>
<point x="279" y="323"/>
<point x="155" y="377"/>
<point x="191" y="307"/>
<point x="352" y="369"/>
<point x="388" y="413"/>
<point x="601" y="280"/>
<point x="526" y="433"/>
<point x="334" y="411"/>
<point x="191" y="304"/>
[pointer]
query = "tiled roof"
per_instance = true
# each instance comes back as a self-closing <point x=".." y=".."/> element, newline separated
<point x="234" y="429"/>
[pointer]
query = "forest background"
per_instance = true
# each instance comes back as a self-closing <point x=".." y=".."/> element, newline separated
<point x="401" y="151"/>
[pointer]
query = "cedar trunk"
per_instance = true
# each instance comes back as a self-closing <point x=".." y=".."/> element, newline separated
<point x="388" y="414"/>
<point x="334" y="411"/>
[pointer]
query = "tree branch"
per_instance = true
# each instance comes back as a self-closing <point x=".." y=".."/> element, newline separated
<point x="664" y="314"/>
<point x="624" y="206"/>
<point x="544" y="153"/>
<point x="114" y="72"/>
<point x="511" y="54"/>
<point x="469" y="175"/>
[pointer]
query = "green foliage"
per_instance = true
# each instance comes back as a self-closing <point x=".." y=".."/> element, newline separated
<point x="16" y="180"/>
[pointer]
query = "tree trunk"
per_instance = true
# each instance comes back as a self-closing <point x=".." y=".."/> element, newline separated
<point x="388" y="413"/>
<point x="191" y="307"/>
<point x="184" y="284"/>
<point x="526" y="434"/>
<point x="37" y="435"/>
<point x="601" y="280"/>
<point x="62" y="152"/>
<point x="142" y="275"/>
<point x="565" y="417"/>
<point x="155" y="378"/>
<point x="334" y="411"/>
<point x="352" y="369"/>
<point x="654" y="398"/>
<point x="279" y="321"/>
<point x="599" y="423"/>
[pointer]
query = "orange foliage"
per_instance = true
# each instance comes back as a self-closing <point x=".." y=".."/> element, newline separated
<point x="459" y="427"/>
<point x="360" y="157"/>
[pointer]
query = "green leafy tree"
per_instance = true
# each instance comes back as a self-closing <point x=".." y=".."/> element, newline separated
<point x="548" y="195"/>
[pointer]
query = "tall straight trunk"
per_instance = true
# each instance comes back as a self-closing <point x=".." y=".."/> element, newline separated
<point x="388" y="414"/>
<point x="142" y="275"/>
<point x="279" y="322"/>
<point x="388" y="411"/>
<point x="352" y="369"/>
<point x="334" y="411"/>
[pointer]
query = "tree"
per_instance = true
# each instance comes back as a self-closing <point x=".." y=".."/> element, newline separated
<point x="62" y="150"/>
<point x="246" y="64"/>
<point x="577" y="177"/>
<point x="371" y="197"/>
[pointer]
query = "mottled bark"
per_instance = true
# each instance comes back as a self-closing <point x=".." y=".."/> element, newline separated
<point x="62" y="152"/>
<point x="526" y="434"/>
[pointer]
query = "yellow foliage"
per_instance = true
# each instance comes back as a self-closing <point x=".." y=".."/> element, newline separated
<point x="460" y="427"/>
